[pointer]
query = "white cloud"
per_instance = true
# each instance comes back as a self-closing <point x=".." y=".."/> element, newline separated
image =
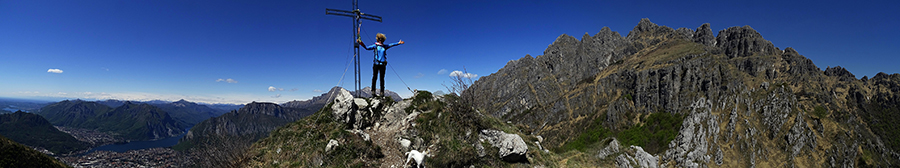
<point x="442" y="71"/>
<point x="464" y="75"/>
<point x="317" y="91"/>
<point x="273" y="88"/>
<point x="229" y="80"/>
<point x="419" y="75"/>
<point x="276" y="96"/>
<point x="54" y="71"/>
<point x="294" y="89"/>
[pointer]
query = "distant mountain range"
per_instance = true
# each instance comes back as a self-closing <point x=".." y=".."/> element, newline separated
<point x="129" y="120"/>
<point x="33" y="130"/>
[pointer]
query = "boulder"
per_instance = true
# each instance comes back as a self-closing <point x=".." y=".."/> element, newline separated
<point x="641" y="158"/>
<point x="331" y="145"/>
<point x="610" y="149"/>
<point x="512" y="147"/>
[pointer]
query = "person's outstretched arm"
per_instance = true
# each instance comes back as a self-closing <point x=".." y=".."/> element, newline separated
<point x="394" y="44"/>
<point x="370" y="47"/>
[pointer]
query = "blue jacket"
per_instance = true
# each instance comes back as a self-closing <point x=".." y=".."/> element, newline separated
<point x="380" y="52"/>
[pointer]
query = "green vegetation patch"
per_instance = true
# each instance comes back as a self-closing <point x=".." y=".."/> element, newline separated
<point x="302" y="144"/>
<point x="452" y="130"/>
<point x="882" y="119"/>
<point x="820" y="111"/>
<point x="591" y="136"/>
<point x="655" y="134"/>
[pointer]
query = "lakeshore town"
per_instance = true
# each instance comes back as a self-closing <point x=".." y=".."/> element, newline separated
<point x="150" y="157"/>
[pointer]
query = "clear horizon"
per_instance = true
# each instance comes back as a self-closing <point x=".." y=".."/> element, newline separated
<point x="238" y="52"/>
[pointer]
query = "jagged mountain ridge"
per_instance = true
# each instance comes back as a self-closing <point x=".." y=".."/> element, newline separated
<point x="744" y="101"/>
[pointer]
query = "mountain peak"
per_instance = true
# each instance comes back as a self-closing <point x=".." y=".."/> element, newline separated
<point x="644" y="26"/>
<point x="704" y="35"/>
<point x="743" y="41"/>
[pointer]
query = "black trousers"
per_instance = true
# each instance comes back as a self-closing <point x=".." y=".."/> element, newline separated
<point x="378" y="70"/>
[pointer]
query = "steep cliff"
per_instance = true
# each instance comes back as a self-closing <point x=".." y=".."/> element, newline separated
<point x="741" y="101"/>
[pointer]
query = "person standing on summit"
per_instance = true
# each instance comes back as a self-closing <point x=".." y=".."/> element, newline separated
<point x="380" y="58"/>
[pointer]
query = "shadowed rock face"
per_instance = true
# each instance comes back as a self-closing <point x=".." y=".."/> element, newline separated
<point x="745" y="102"/>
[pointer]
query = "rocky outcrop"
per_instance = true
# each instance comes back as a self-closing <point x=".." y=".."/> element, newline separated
<point x="704" y="35"/>
<point x="512" y="147"/>
<point x="697" y="135"/>
<point x="356" y="113"/>
<point x="637" y="158"/>
<point x="743" y="42"/>
<point x="611" y="148"/>
<point x="800" y="137"/>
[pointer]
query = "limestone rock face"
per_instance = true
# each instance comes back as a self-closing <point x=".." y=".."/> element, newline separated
<point x="512" y="147"/>
<point x="742" y="42"/>
<point x="704" y="35"/>
<point x="691" y="145"/>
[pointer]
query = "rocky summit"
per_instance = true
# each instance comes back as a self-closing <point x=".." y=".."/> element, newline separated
<point x="657" y="97"/>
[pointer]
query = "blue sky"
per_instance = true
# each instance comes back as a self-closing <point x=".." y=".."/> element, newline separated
<point x="279" y="51"/>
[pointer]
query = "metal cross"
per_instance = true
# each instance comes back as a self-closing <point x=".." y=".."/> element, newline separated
<point x="356" y="15"/>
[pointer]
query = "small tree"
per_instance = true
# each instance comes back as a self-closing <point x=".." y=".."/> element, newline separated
<point x="459" y="83"/>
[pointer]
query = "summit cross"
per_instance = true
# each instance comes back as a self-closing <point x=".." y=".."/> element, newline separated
<point x="356" y="15"/>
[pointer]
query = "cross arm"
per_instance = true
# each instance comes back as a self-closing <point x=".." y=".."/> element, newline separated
<point x="352" y="14"/>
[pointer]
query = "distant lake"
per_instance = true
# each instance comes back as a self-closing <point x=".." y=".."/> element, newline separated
<point x="135" y="145"/>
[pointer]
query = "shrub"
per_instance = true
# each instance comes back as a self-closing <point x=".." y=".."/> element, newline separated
<point x="655" y="134"/>
<point x="587" y="138"/>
